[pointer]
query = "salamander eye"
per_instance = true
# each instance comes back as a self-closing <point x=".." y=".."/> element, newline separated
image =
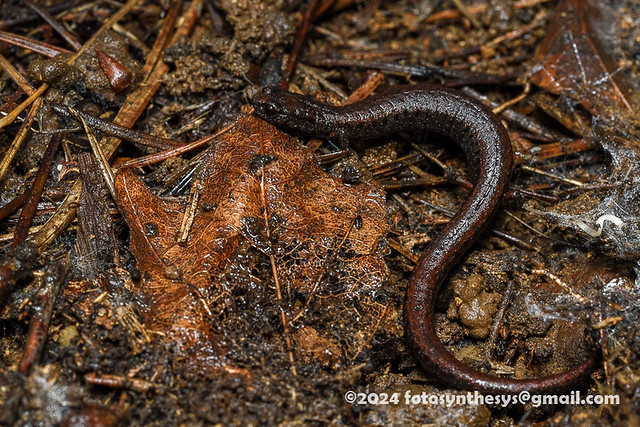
<point x="270" y="90"/>
<point x="264" y="106"/>
<point x="269" y="108"/>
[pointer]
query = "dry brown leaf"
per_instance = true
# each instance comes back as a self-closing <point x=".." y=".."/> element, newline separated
<point x="251" y="174"/>
<point x="576" y="60"/>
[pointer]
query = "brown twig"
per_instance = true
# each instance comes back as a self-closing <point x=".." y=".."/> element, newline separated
<point x="301" y="36"/>
<point x="498" y="319"/>
<point x="565" y="148"/>
<point x="51" y="281"/>
<point x="551" y="175"/>
<point x="162" y="39"/>
<point x="20" y="137"/>
<point x="31" y="204"/>
<point x="477" y="9"/>
<point x="118" y="131"/>
<point x="55" y="25"/>
<point x="36" y="46"/>
<point x="13" y="205"/>
<point x="16" y="76"/>
<point x="398" y="247"/>
<point x="118" y="382"/>
<point x="163" y="155"/>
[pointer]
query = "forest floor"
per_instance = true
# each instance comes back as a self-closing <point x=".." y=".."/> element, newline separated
<point x="259" y="277"/>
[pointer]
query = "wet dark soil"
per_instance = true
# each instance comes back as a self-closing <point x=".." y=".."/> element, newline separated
<point x="259" y="279"/>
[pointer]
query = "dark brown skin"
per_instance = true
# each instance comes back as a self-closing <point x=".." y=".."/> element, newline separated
<point x="486" y="145"/>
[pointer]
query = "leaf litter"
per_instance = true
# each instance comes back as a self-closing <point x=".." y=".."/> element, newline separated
<point x="576" y="63"/>
<point x="154" y="343"/>
<point x="260" y="186"/>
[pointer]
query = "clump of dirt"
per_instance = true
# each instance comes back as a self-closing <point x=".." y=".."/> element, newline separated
<point x="220" y="61"/>
<point x="473" y="306"/>
<point x="54" y="71"/>
<point x="96" y="80"/>
<point x="92" y="79"/>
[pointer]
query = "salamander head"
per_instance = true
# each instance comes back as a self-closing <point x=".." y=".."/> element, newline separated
<point x="288" y="110"/>
<point x="265" y="103"/>
<point x="273" y="105"/>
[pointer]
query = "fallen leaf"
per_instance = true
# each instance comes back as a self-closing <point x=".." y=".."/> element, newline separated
<point x="576" y="60"/>
<point x="259" y="185"/>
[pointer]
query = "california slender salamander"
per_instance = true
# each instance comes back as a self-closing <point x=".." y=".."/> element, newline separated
<point x="487" y="148"/>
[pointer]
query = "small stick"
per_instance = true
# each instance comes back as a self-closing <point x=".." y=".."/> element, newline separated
<point x="117" y="130"/>
<point x="13" y="205"/>
<point x="54" y="24"/>
<point x="301" y="36"/>
<point x="498" y="319"/>
<point x="16" y="76"/>
<point x="42" y="48"/>
<point x="103" y="162"/>
<point x="567" y="288"/>
<point x="551" y="175"/>
<point x="31" y="204"/>
<point x="513" y="101"/>
<point x="118" y="382"/>
<point x="51" y="281"/>
<point x="564" y="148"/>
<point x="374" y="80"/>
<point x="189" y="214"/>
<point x="479" y="8"/>
<point x="161" y="40"/>
<point x="163" y="155"/>
<point x="19" y="139"/>
<point x="398" y="247"/>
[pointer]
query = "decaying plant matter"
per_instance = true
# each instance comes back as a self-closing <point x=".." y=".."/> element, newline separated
<point x="260" y="186"/>
<point x="168" y="258"/>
